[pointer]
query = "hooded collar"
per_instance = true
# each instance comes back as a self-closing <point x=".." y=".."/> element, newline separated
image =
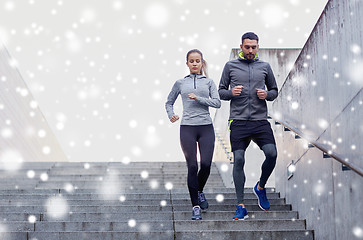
<point x="242" y="58"/>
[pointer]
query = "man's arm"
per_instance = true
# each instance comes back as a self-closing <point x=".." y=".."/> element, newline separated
<point x="271" y="85"/>
<point x="224" y="92"/>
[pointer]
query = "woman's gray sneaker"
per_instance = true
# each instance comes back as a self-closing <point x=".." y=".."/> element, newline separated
<point x="197" y="213"/>
<point x="202" y="201"/>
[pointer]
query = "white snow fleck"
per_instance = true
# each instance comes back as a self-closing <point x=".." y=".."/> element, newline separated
<point x="57" y="207"/>
<point x="163" y="203"/>
<point x="154" y="184"/>
<point x="68" y="187"/>
<point x="132" y="223"/>
<point x="6" y="133"/>
<point x="156" y="15"/>
<point x="30" y="174"/>
<point x="294" y="105"/>
<point x="144" y="174"/>
<point x="322" y="123"/>
<point x="224" y="167"/>
<point x="11" y="160"/>
<point x="355" y="48"/>
<point x="358" y="232"/>
<point x="219" y="197"/>
<point x="46" y="150"/>
<point x="168" y="186"/>
<point x="32" y="219"/>
<point x="44" y="177"/>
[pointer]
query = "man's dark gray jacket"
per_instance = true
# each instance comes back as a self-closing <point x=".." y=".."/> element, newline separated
<point x="251" y="74"/>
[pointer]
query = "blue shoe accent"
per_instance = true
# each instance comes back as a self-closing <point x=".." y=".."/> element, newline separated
<point x="241" y="213"/>
<point x="263" y="202"/>
<point x="202" y="201"/>
<point x="197" y="213"/>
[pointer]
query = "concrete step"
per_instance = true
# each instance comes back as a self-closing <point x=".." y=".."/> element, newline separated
<point x="117" y="202"/>
<point x="81" y="208"/>
<point x="228" y="215"/>
<point x="101" y="226"/>
<point x="246" y="225"/>
<point x="245" y="234"/>
<point x="131" y="208"/>
<point x="147" y="215"/>
<point x="128" y="196"/>
<point x="160" y="190"/>
<point x="97" y="177"/>
<point x="143" y="232"/>
<point x="232" y="207"/>
<point x="114" y="180"/>
<point x="132" y="185"/>
<point x="94" y="214"/>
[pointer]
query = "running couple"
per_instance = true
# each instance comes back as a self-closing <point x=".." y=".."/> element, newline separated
<point x="243" y="83"/>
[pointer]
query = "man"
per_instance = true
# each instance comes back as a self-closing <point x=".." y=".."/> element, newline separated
<point x="243" y="82"/>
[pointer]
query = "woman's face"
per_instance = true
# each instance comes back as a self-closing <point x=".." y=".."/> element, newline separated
<point x="194" y="63"/>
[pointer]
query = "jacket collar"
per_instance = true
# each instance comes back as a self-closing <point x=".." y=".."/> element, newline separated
<point x="198" y="76"/>
<point x="242" y="58"/>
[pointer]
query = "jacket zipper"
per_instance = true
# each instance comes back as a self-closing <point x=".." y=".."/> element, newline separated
<point x="195" y="87"/>
<point x="249" y="91"/>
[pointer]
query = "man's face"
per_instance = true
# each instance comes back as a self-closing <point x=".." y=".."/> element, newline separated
<point x="249" y="48"/>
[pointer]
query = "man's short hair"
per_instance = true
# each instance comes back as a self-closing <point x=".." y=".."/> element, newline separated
<point x="250" y="35"/>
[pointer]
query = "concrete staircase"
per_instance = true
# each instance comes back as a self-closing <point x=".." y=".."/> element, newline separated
<point x="130" y="201"/>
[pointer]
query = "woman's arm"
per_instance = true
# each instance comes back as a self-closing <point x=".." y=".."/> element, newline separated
<point x="214" y="100"/>
<point x="169" y="104"/>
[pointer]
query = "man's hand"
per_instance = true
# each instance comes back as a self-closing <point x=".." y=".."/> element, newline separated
<point x="236" y="91"/>
<point x="174" y="118"/>
<point x="262" y="94"/>
<point x="192" y="96"/>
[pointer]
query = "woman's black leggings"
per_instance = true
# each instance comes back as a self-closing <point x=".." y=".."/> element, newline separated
<point x="189" y="137"/>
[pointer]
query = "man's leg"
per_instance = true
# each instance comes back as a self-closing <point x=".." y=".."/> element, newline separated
<point x="264" y="138"/>
<point x="269" y="164"/>
<point x="239" y="177"/>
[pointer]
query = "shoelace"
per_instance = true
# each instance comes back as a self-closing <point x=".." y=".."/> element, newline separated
<point x="239" y="211"/>
<point x="263" y="195"/>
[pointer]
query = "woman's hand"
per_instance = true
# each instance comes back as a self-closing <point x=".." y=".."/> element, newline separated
<point x="174" y="118"/>
<point x="192" y="96"/>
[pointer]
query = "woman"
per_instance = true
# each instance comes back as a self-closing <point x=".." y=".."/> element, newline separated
<point x="198" y="94"/>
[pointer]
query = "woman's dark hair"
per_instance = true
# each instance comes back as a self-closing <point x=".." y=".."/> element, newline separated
<point x="203" y="70"/>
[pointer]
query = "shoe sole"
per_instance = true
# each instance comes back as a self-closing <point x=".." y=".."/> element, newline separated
<point x="204" y="209"/>
<point x="258" y="199"/>
<point x="196" y="219"/>
<point x="242" y="219"/>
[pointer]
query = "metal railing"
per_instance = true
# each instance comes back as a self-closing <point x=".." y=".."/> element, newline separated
<point x="326" y="151"/>
<point x="224" y="146"/>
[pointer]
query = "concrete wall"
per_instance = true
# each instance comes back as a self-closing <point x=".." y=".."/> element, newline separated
<point x="322" y="97"/>
<point x="25" y="134"/>
<point x="281" y="61"/>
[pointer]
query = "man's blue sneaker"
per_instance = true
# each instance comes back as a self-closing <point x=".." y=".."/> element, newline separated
<point x="241" y="213"/>
<point x="202" y="201"/>
<point x="263" y="202"/>
<point x="197" y="213"/>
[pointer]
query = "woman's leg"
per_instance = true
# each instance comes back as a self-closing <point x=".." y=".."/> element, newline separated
<point x="188" y="142"/>
<point x="206" y="149"/>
